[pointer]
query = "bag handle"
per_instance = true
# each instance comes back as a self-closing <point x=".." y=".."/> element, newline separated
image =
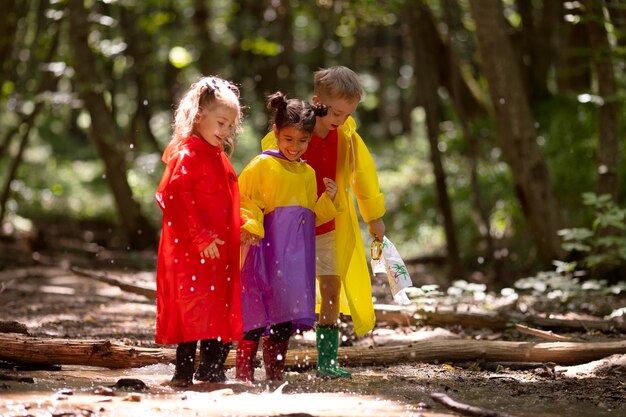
<point x="376" y="249"/>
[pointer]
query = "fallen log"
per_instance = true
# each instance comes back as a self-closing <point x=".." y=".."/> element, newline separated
<point x="146" y="289"/>
<point x="110" y="354"/>
<point x="501" y="322"/>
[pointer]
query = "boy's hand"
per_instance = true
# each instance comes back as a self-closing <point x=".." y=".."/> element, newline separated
<point x="377" y="228"/>
<point x="248" y="238"/>
<point x="212" y="251"/>
<point x="331" y="187"/>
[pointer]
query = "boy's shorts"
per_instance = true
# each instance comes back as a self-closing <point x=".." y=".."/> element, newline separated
<point x="325" y="254"/>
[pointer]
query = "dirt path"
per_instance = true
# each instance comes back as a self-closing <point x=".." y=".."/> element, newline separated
<point x="63" y="305"/>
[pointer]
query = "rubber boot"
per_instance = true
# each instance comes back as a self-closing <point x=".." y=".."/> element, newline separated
<point x="274" y="354"/>
<point x="213" y="354"/>
<point x="185" y="359"/>
<point x="246" y="359"/>
<point x="327" y="341"/>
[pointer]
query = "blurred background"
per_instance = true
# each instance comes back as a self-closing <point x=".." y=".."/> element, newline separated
<point x="497" y="126"/>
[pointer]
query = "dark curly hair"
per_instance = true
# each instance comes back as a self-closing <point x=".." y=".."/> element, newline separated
<point x="294" y="112"/>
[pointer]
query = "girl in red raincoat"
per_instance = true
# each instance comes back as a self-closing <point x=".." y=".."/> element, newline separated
<point x="198" y="290"/>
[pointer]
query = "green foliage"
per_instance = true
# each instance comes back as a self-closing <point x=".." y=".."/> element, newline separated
<point x="563" y="290"/>
<point x="604" y="243"/>
<point x="566" y="131"/>
<point x="260" y="46"/>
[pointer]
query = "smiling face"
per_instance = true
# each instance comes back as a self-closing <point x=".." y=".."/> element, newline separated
<point x="339" y="109"/>
<point x="216" y="123"/>
<point x="292" y="142"/>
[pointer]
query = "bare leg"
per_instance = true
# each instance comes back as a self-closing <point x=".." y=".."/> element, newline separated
<point x="330" y="290"/>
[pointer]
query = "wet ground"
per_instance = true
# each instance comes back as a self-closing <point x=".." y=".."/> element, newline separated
<point x="55" y="303"/>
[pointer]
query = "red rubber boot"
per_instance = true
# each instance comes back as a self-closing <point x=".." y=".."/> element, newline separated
<point x="274" y="354"/>
<point x="245" y="359"/>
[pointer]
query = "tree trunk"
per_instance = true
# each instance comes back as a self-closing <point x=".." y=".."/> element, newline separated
<point x="482" y="211"/>
<point x="15" y="163"/>
<point x="608" y="126"/>
<point x="104" y="353"/>
<point x="573" y="69"/>
<point x="617" y="13"/>
<point x="451" y="70"/>
<point x="286" y="64"/>
<point x="427" y="83"/>
<point x="105" y="133"/>
<point x="539" y="41"/>
<point x="8" y="28"/>
<point x="46" y="82"/>
<point x="209" y="51"/>
<point x="516" y="127"/>
<point x="138" y="48"/>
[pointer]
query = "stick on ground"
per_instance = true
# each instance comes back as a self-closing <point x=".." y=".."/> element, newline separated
<point x="465" y="409"/>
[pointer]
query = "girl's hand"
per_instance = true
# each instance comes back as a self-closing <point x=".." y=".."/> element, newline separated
<point x="248" y="238"/>
<point x="212" y="251"/>
<point x="331" y="187"/>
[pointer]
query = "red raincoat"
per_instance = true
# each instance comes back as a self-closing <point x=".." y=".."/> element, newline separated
<point x="198" y="298"/>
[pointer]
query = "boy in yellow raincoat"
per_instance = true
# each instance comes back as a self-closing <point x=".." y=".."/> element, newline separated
<point x="337" y="151"/>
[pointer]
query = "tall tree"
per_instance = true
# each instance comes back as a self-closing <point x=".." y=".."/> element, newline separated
<point x="104" y="131"/>
<point x="516" y="126"/>
<point x="44" y="45"/>
<point x="8" y="26"/>
<point x="427" y="83"/>
<point x="540" y="24"/>
<point x="608" y="151"/>
<point x="209" y="52"/>
<point x="452" y="18"/>
<point x="139" y="49"/>
<point x="573" y="69"/>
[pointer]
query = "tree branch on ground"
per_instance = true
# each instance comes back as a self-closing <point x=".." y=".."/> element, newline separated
<point x="465" y="409"/>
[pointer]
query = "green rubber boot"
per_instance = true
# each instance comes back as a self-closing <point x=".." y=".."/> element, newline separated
<point x="327" y="338"/>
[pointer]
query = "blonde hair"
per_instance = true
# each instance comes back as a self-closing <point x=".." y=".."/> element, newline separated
<point x="337" y="82"/>
<point x="202" y="95"/>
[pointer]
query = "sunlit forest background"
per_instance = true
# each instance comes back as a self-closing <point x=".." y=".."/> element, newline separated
<point x="496" y="125"/>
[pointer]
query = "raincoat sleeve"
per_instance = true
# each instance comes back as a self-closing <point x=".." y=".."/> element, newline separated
<point x="252" y="199"/>
<point x="364" y="182"/>
<point x="180" y="201"/>
<point x="326" y="209"/>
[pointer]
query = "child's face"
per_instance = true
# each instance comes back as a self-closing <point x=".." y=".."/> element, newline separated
<point x="292" y="142"/>
<point x="216" y="124"/>
<point x="339" y="109"/>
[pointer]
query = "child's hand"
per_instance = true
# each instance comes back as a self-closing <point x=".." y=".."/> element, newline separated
<point x="248" y="238"/>
<point x="212" y="251"/>
<point x="377" y="228"/>
<point x="331" y="187"/>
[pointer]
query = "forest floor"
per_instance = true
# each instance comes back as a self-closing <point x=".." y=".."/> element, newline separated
<point x="40" y="292"/>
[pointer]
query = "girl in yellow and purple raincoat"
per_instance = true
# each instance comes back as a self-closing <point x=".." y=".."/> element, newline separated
<point x="338" y="152"/>
<point x="280" y="208"/>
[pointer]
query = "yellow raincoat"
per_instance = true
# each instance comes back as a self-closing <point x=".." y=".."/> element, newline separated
<point x="356" y="170"/>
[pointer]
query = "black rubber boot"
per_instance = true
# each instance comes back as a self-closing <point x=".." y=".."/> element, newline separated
<point x="185" y="359"/>
<point x="213" y="354"/>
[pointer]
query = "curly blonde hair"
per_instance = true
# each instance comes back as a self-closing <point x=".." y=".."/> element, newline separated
<point x="202" y="95"/>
